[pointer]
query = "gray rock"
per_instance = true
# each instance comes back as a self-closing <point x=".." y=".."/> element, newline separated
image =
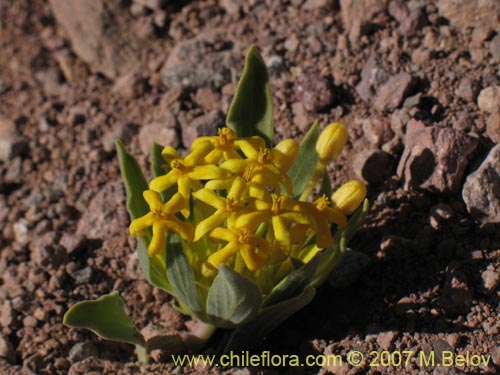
<point x="481" y="191"/>
<point x="359" y="15"/>
<point x="467" y="89"/>
<point x="82" y="276"/>
<point x="413" y="23"/>
<point x="123" y="132"/>
<point x="46" y="250"/>
<point x="83" y="350"/>
<point x="393" y="92"/>
<point x="349" y="270"/>
<point x="488" y="99"/>
<point x="373" y="76"/>
<point x="206" y="124"/>
<point x="12" y="144"/>
<point x="7" y="350"/>
<point x="434" y="158"/>
<point x="495" y="48"/>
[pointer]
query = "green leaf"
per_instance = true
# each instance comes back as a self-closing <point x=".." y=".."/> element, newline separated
<point x="181" y="277"/>
<point x="304" y="167"/>
<point x="161" y="167"/>
<point x="106" y="318"/>
<point x="251" y="111"/>
<point x="153" y="268"/>
<point x="293" y="284"/>
<point x="357" y="219"/>
<point x="232" y="299"/>
<point x="134" y="181"/>
<point x="247" y="336"/>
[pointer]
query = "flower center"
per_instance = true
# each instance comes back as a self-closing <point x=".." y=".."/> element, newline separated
<point x="243" y="236"/>
<point x="248" y="174"/>
<point x="277" y="204"/>
<point x="322" y="203"/>
<point x="226" y="136"/>
<point x="265" y="156"/>
<point x="177" y="164"/>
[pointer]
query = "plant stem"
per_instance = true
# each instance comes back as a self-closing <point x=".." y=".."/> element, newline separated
<point x="142" y="354"/>
<point x="318" y="172"/>
<point x="198" y="337"/>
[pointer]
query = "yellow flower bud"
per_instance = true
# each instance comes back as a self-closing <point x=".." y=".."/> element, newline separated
<point x="285" y="153"/>
<point x="349" y="196"/>
<point x="331" y="141"/>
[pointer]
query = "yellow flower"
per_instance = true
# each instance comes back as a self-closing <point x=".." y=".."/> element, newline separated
<point x="253" y="249"/>
<point x="323" y="214"/>
<point x="349" y="196"/>
<point x="162" y="218"/>
<point x="226" y="208"/>
<point x="259" y="168"/>
<point x="331" y="141"/>
<point x="225" y="145"/>
<point x="280" y="211"/>
<point x="187" y="172"/>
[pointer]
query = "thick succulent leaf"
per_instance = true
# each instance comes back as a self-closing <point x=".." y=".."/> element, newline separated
<point x="161" y="167"/>
<point x="248" y="335"/>
<point x="232" y="299"/>
<point x="105" y="317"/>
<point x="251" y="111"/>
<point x="134" y="181"/>
<point x="181" y="277"/>
<point x="293" y="284"/>
<point x="303" y="168"/>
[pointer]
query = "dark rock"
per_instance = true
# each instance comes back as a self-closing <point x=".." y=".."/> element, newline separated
<point x="493" y="127"/>
<point x="467" y="89"/>
<point x="97" y="36"/>
<point x="7" y="350"/>
<point x="83" y="350"/>
<point x="491" y="280"/>
<point x="73" y="243"/>
<point x="393" y="92"/>
<point x="315" y="93"/>
<point x="206" y="124"/>
<point x="46" y="251"/>
<point x="456" y="296"/>
<point x="371" y="166"/>
<point x="481" y="191"/>
<point x="349" y="270"/>
<point x="434" y="158"/>
<point x="372" y="77"/>
<point x="488" y="101"/>
<point x="7" y="314"/>
<point x="12" y="144"/>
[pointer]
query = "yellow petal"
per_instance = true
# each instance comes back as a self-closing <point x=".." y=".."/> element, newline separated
<point x="198" y="153"/>
<point x="252" y="219"/>
<point x="157" y="243"/>
<point x="248" y="149"/>
<point x="183" y="229"/>
<point x="223" y="255"/>
<point x="208" y="172"/>
<point x="177" y="203"/>
<point x="209" y="197"/>
<point x="219" y="184"/>
<point x="208" y="224"/>
<point x="169" y="154"/>
<point x="222" y="234"/>
<point x="281" y="230"/>
<point x="235" y="165"/>
<point x="153" y="199"/>
<point x="336" y="216"/>
<point x="324" y="237"/>
<point x="141" y="223"/>
<point x="184" y="186"/>
<point x="162" y="183"/>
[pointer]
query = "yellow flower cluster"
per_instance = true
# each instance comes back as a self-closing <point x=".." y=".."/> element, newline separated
<point x="253" y="219"/>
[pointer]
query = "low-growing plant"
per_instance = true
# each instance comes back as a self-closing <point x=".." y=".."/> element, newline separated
<point x="233" y="230"/>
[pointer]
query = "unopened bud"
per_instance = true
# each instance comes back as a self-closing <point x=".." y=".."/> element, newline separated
<point x="349" y="196"/>
<point x="331" y="141"/>
<point x="285" y="153"/>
